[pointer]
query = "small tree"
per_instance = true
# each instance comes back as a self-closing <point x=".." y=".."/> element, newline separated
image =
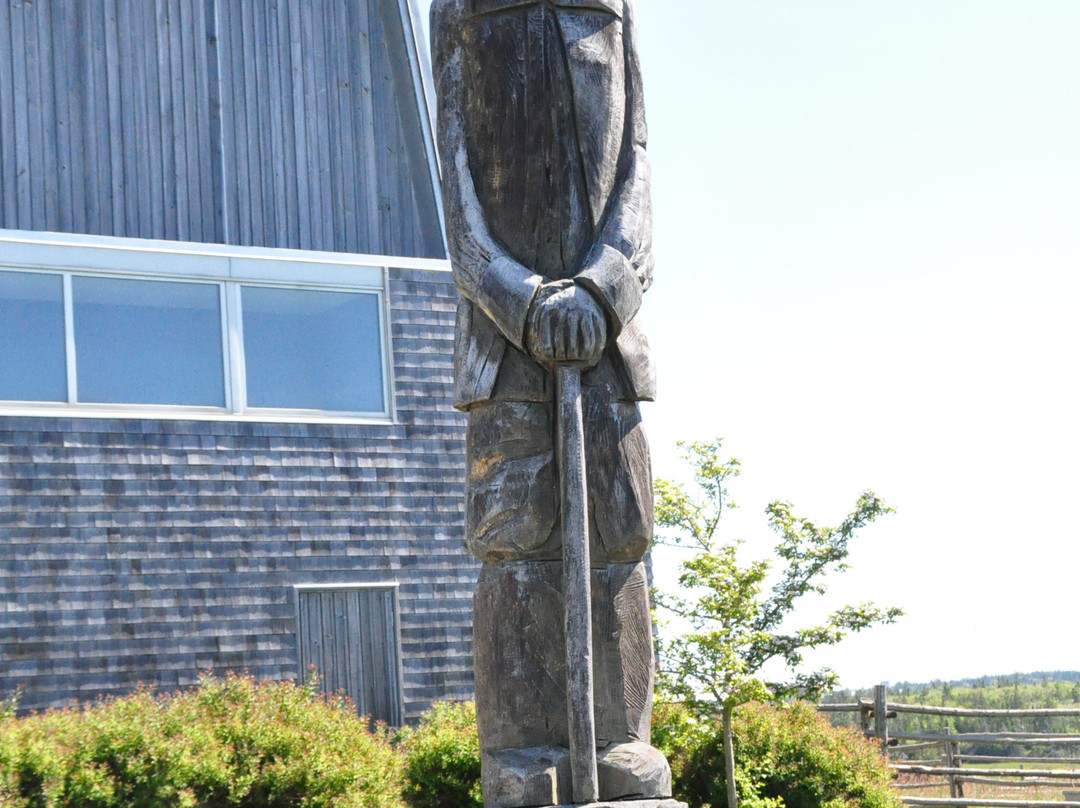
<point x="735" y="629"/>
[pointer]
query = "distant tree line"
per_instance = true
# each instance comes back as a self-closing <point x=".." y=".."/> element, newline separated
<point x="1018" y="691"/>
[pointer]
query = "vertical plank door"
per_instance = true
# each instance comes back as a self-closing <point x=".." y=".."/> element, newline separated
<point x="349" y="635"/>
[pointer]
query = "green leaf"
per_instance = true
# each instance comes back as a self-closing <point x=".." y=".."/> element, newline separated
<point x="734" y="629"/>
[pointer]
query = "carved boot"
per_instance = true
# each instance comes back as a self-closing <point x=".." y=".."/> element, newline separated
<point x="521" y="685"/>
<point x="632" y="770"/>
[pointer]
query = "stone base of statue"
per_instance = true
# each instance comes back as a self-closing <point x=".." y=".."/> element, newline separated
<point x="521" y="686"/>
<point x="630" y="804"/>
<point x="541" y="776"/>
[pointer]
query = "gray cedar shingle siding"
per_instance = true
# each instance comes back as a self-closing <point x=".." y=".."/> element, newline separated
<point x="149" y="550"/>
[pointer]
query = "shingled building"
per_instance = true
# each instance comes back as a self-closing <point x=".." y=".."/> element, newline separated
<point x="226" y="322"/>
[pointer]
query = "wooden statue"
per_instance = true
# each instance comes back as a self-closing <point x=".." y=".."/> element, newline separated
<point x="546" y="191"/>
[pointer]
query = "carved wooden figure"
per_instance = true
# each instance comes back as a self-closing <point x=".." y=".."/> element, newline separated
<point x="546" y="191"/>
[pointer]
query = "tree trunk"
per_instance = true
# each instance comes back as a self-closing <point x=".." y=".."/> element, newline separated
<point x="729" y="760"/>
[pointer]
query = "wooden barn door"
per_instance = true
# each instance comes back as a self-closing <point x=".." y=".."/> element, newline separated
<point x="350" y="636"/>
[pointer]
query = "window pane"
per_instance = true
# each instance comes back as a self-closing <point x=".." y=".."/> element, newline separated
<point x="312" y="350"/>
<point x="32" y="366"/>
<point x="148" y="342"/>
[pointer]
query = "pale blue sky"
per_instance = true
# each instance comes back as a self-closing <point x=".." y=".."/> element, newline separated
<point x="868" y="274"/>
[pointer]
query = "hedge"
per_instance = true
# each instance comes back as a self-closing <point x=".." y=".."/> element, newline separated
<point x="228" y="742"/>
<point x="239" y="742"/>
<point x="786" y="756"/>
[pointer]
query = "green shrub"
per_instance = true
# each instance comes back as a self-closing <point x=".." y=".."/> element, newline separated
<point x="678" y="734"/>
<point x="786" y="757"/>
<point x="442" y="758"/>
<point x="238" y="742"/>
<point x="231" y="742"/>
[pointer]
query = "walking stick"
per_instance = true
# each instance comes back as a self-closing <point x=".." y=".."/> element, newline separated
<point x="577" y="585"/>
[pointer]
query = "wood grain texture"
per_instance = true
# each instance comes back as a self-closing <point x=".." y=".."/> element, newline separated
<point x="95" y="93"/>
<point x="546" y="196"/>
<point x="349" y="638"/>
<point x="242" y="122"/>
<point x="577" y="591"/>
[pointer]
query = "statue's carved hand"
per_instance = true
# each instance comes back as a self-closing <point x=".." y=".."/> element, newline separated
<point x="565" y="324"/>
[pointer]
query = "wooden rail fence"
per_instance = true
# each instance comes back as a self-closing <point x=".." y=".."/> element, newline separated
<point x="874" y="715"/>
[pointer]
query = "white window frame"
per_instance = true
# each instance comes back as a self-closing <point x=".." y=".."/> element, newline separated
<point x="228" y="266"/>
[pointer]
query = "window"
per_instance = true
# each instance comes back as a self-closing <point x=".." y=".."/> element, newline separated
<point x="312" y="350"/>
<point x="117" y="324"/>
<point x="32" y="365"/>
<point x="148" y="342"/>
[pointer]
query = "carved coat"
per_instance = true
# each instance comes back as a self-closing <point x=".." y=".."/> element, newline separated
<point x="542" y="141"/>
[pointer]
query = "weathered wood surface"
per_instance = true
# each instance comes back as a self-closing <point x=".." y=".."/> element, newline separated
<point x="577" y="591"/>
<point x="1072" y="761"/>
<point x="915" y="786"/>
<point x="546" y="196"/>
<point x="993" y="737"/>
<point x="958" y="770"/>
<point x="147" y="551"/>
<point x="881" y="715"/>
<point x="241" y="122"/>
<point x="102" y="131"/>
<point x="928" y="709"/>
<point x="960" y="802"/>
<point x="956" y="787"/>
<point x="350" y="638"/>
<point x="911" y="747"/>
<point x="1003" y="783"/>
